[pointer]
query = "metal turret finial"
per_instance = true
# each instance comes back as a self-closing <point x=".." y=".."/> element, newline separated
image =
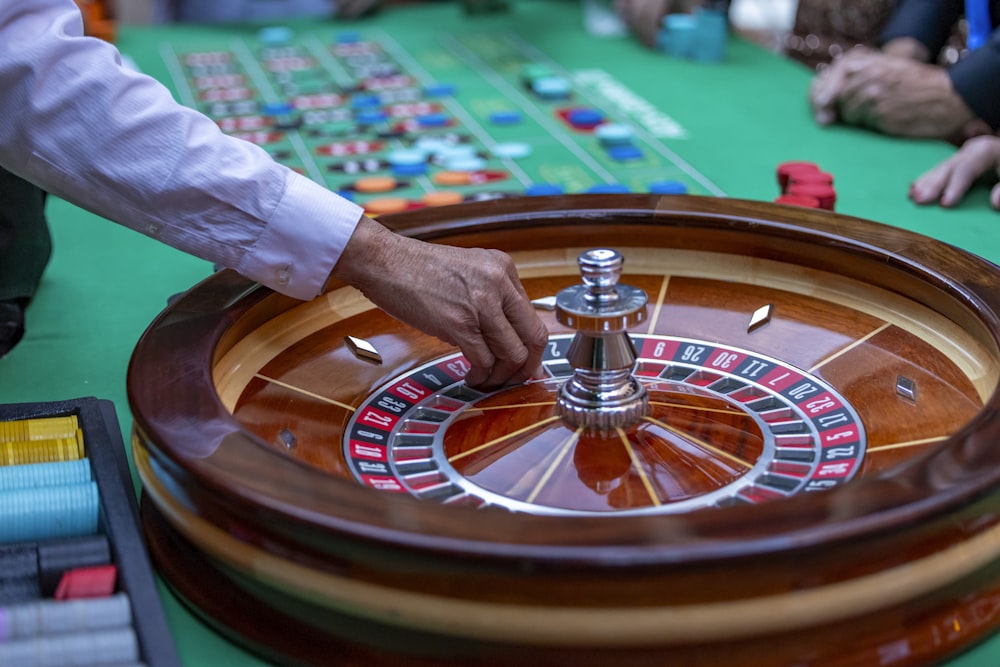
<point x="603" y="393"/>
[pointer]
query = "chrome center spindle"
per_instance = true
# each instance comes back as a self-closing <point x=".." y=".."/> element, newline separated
<point x="603" y="393"/>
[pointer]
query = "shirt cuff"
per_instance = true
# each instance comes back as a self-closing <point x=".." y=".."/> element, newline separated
<point x="303" y="240"/>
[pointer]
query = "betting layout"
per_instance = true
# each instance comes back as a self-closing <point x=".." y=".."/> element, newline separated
<point x="478" y="117"/>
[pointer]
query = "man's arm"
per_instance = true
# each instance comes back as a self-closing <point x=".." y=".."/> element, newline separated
<point x="77" y="123"/>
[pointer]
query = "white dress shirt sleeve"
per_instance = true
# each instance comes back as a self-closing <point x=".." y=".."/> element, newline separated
<point x="77" y="123"/>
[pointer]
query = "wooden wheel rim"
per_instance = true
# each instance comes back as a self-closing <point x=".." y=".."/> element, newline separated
<point x="943" y="499"/>
<point x="624" y="626"/>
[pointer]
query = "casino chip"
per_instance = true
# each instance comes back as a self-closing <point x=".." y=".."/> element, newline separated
<point x="430" y="145"/>
<point x="668" y="188"/>
<point x="544" y="189"/>
<point x="801" y="178"/>
<point x="807" y="176"/>
<point x="276" y="108"/>
<point x="465" y="164"/>
<point x="452" y="178"/>
<point x="448" y="151"/>
<point x="530" y="72"/>
<point x="443" y="198"/>
<point x="347" y="37"/>
<point x="373" y="184"/>
<point x="584" y="118"/>
<point x="551" y="87"/>
<point x="418" y="169"/>
<point x="370" y="116"/>
<point x="365" y="101"/>
<point x="624" y="153"/>
<point x="804" y="201"/>
<point x="786" y="169"/>
<point x="404" y="157"/>
<point x="386" y="205"/>
<point x="825" y="194"/>
<point x="614" y="134"/>
<point x="608" y="189"/>
<point x="513" y="150"/>
<point x="275" y="36"/>
<point x="505" y="117"/>
<point x="432" y="120"/>
<point x="439" y="89"/>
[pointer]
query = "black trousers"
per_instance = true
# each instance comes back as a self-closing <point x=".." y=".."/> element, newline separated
<point x="25" y="244"/>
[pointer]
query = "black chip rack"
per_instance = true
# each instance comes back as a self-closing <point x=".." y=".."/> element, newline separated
<point x="118" y="516"/>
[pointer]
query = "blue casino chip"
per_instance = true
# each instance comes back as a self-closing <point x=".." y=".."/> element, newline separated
<point x="543" y="189"/>
<point x="624" y="153"/>
<point x="668" y="188"/>
<point x="608" y="189"/>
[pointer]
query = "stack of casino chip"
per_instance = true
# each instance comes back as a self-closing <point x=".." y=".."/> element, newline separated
<point x="59" y="597"/>
<point x="46" y="490"/>
<point x="805" y="184"/>
<point x="700" y="36"/>
<point x="616" y="139"/>
<point x="407" y="162"/>
<point x="545" y="83"/>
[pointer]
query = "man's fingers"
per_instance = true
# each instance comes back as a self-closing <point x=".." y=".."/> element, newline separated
<point x="827" y="93"/>
<point x="962" y="178"/>
<point x="530" y="332"/>
<point x="472" y="298"/>
<point x="861" y="91"/>
<point x="855" y="109"/>
<point x="510" y="356"/>
<point x="821" y="97"/>
<point x="515" y="337"/>
<point x="949" y="181"/>
<point x="850" y="88"/>
<point x="477" y="353"/>
<point x="828" y="87"/>
<point x="927" y="188"/>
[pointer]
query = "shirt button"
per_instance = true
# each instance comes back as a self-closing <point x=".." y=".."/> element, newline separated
<point x="153" y="228"/>
<point x="284" y="275"/>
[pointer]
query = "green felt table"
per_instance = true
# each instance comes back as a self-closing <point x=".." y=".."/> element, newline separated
<point x="721" y="128"/>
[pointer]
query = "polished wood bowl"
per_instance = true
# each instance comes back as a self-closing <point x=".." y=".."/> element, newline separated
<point x="846" y="515"/>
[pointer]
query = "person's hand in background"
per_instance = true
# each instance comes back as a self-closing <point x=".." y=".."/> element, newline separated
<point x="892" y="94"/>
<point x="948" y="182"/>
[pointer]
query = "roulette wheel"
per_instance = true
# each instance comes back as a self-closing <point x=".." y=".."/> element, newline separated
<point x="763" y="435"/>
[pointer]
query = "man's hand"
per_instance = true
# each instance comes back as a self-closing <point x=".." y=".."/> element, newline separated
<point x="469" y="297"/>
<point x="948" y="182"/>
<point x="644" y="18"/>
<point x="890" y="94"/>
